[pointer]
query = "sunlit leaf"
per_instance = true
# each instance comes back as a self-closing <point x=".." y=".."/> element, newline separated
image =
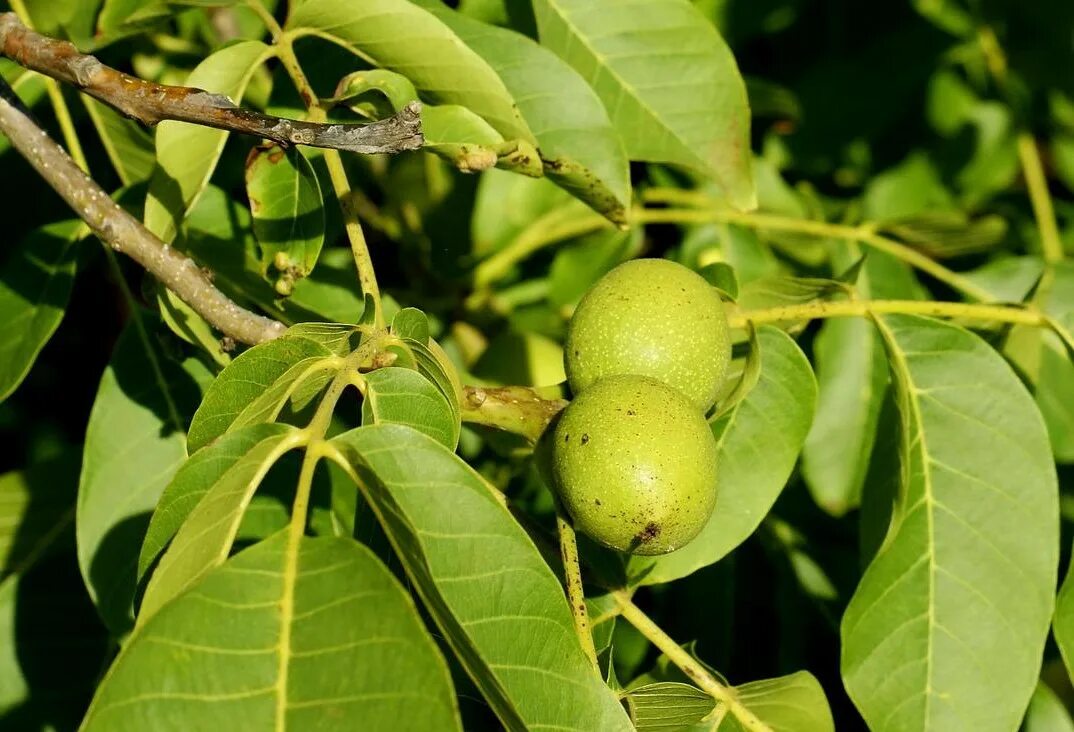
<point x="484" y="583"/>
<point x="667" y="79"/>
<point x="403" y="396"/>
<point x="311" y="635"/>
<point x="947" y="626"/>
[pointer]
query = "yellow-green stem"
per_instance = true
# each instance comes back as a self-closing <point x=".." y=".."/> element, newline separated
<point x="847" y="308"/>
<point x="863" y="234"/>
<point x="572" y="573"/>
<point x="367" y="277"/>
<point x="687" y="664"/>
<point x="1050" y="242"/>
<point x="549" y="229"/>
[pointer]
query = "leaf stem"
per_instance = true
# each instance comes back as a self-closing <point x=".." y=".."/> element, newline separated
<point x="550" y="228"/>
<point x="687" y="664"/>
<point x="572" y="571"/>
<point x="845" y="308"/>
<point x="1050" y="242"/>
<point x="863" y="234"/>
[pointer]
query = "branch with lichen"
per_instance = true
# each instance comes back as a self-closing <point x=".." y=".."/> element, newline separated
<point x="150" y="103"/>
<point x="124" y="233"/>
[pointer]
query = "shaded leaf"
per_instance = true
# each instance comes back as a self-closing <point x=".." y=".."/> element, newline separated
<point x="759" y="442"/>
<point x="667" y="79"/>
<point x="1046" y="712"/>
<point x="135" y="441"/>
<point x="36" y="507"/>
<point x="128" y="145"/>
<point x="484" y="583"/>
<point x="287" y="209"/>
<point x="947" y="626"/>
<point x="311" y="635"/>
<point x="35" y="285"/>
<point x="411" y="323"/>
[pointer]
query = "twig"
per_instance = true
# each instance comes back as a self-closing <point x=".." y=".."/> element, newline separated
<point x="117" y="228"/>
<point x="150" y="103"/>
<point x="860" y="308"/>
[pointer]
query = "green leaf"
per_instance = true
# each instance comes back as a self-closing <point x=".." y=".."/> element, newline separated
<point x="288" y="212"/>
<point x="128" y="145"/>
<point x="459" y="136"/>
<point x="260" y="383"/>
<point x="402" y="396"/>
<point x="36" y="506"/>
<point x="241" y="456"/>
<point x="498" y="604"/>
<point x="134" y="444"/>
<point x="852" y="378"/>
<point x="35" y="285"/>
<point x="667" y="79"/>
<point x="315" y="635"/>
<point x="1046" y="712"/>
<point x="792" y="702"/>
<point x="411" y="323"/>
<point x="432" y="363"/>
<point x="187" y="154"/>
<point x="759" y="441"/>
<point x="667" y="705"/>
<point x="852" y="375"/>
<point x="222" y="481"/>
<point x="954" y="609"/>
<point x="401" y="37"/>
<point x="1063" y="621"/>
<point x="579" y="148"/>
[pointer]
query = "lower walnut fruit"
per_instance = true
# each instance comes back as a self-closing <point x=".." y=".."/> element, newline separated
<point x="634" y="463"/>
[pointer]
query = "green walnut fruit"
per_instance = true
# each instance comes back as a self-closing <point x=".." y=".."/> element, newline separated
<point x="651" y="317"/>
<point x="634" y="463"/>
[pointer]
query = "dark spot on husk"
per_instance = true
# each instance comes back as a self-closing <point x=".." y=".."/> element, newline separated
<point x="585" y="439"/>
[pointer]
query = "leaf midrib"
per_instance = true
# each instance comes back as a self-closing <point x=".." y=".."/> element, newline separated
<point x="904" y="379"/>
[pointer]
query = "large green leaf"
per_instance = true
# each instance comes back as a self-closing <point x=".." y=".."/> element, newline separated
<point x="311" y="635"/>
<point x="35" y="285"/>
<point x="187" y="154"/>
<point x="260" y="383"/>
<point x="667" y="79"/>
<point x="759" y="441"/>
<point x="288" y="213"/>
<point x="947" y="626"/>
<point x="485" y="584"/>
<point x="204" y="539"/>
<point x="403" y="396"/>
<point x="135" y="441"/>
<point x="399" y="36"/>
<point x="578" y="145"/>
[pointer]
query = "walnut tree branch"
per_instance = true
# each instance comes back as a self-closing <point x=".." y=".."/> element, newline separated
<point x="124" y="233"/>
<point x="150" y="103"/>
